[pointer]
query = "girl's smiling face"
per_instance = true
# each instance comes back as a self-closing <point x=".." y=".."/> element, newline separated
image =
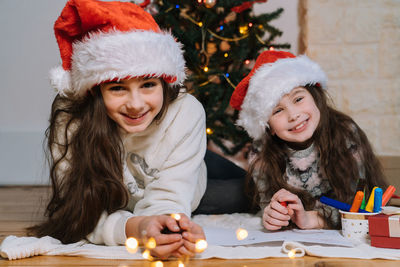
<point x="296" y="117"/>
<point x="133" y="103"/>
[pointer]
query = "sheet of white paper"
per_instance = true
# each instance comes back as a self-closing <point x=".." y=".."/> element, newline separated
<point x="227" y="237"/>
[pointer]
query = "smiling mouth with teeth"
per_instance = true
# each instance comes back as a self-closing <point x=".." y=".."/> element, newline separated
<point x="135" y="117"/>
<point x="299" y="126"/>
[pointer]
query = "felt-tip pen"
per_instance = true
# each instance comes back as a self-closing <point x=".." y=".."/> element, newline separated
<point x="337" y="204"/>
<point x="370" y="203"/>
<point x="357" y="201"/>
<point x="388" y="194"/>
<point x="378" y="200"/>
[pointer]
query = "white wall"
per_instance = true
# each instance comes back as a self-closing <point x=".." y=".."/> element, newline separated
<point x="287" y="22"/>
<point x="27" y="51"/>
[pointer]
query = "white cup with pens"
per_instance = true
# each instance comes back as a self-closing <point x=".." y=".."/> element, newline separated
<point x="355" y="226"/>
<point x="354" y="218"/>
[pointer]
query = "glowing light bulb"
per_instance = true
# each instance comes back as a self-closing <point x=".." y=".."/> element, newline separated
<point x="176" y="216"/>
<point x="131" y="245"/>
<point x="209" y="131"/>
<point x="181" y="264"/>
<point x="201" y="245"/>
<point x="247" y="62"/>
<point x="241" y="233"/>
<point x="151" y="243"/>
<point x="205" y="69"/>
<point x="200" y="24"/>
<point x="250" y="24"/>
<point x="271" y="48"/>
<point x="226" y="55"/>
<point x="292" y="254"/>
<point x="146" y="255"/>
<point x="157" y="264"/>
<point x="243" y="29"/>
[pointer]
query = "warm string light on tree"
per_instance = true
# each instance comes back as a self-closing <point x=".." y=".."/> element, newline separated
<point x="209" y="3"/>
<point x="242" y="29"/>
<point x="204" y="55"/>
<point x="221" y="40"/>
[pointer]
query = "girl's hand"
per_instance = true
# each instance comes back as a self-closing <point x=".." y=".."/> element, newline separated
<point x="275" y="215"/>
<point x="295" y="210"/>
<point x="145" y="227"/>
<point x="192" y="232"/>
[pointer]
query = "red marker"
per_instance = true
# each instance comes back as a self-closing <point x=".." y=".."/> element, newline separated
<point x="283" y="203"/>
<point x="388" y="194"/>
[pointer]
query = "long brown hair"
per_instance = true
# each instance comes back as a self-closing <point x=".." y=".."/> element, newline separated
<point x="85" y="155"/>
<point x="337" y="162"/>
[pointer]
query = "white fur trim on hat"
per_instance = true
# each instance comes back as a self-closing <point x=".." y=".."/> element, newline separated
<point x="269" y="84"/>
<point x="116" y="55"/>
<point x="60" y="80"/>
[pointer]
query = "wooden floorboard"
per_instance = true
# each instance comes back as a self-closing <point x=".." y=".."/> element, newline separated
<point x="20" y="207"/>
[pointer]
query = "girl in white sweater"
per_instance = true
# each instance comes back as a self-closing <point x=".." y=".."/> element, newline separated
<point x="126" y="147"/>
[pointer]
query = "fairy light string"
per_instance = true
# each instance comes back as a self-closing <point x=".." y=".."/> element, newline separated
<point x="229" y="81"/>
<point x="203" y="52"/>
<point x="227" y="39"/>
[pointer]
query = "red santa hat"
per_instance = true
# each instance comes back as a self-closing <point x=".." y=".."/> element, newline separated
<point x="104" y="41"/>
<point x="274" y="74"/>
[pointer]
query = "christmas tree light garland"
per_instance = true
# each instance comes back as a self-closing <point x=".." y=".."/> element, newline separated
<point x="219" y="48"/>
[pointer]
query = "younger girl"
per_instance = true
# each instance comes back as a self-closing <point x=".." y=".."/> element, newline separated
<point x="308" y="149"/>
<point x="126" y="147"/>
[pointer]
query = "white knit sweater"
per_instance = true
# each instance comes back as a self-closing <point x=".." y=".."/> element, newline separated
<point x="164" y="172"/>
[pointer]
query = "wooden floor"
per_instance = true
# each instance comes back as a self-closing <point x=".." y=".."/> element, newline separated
<point x="22" y="206"/>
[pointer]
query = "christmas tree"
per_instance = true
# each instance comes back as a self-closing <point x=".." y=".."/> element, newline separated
<point x="222" y="39"/>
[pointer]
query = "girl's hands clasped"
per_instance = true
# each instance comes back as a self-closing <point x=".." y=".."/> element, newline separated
<point x="178" y="242"/>
<point x="166" y="244"/>
<point x="191" y="233"/>
<point x="276" y="216"/>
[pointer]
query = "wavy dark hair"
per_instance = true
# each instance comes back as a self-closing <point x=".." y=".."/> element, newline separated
<point x="85" y="154"/>
<point x="337" y="161"/>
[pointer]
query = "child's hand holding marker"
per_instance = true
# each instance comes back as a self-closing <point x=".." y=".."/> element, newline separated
<point x="276" y="215"/>
<point x="286" y="206"/>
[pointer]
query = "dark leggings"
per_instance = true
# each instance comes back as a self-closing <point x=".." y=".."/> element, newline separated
<point x="225" y="187"/>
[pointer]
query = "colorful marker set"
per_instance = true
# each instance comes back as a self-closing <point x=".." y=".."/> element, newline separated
<point x="337" y="204"/>
<point x="378" y="199"/>
<point x="375" y="202"/>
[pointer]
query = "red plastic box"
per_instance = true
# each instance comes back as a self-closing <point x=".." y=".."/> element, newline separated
<point x="384" y="230"/>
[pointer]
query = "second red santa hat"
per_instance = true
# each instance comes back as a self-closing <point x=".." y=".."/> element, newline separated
<point x="274" y="74"/>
